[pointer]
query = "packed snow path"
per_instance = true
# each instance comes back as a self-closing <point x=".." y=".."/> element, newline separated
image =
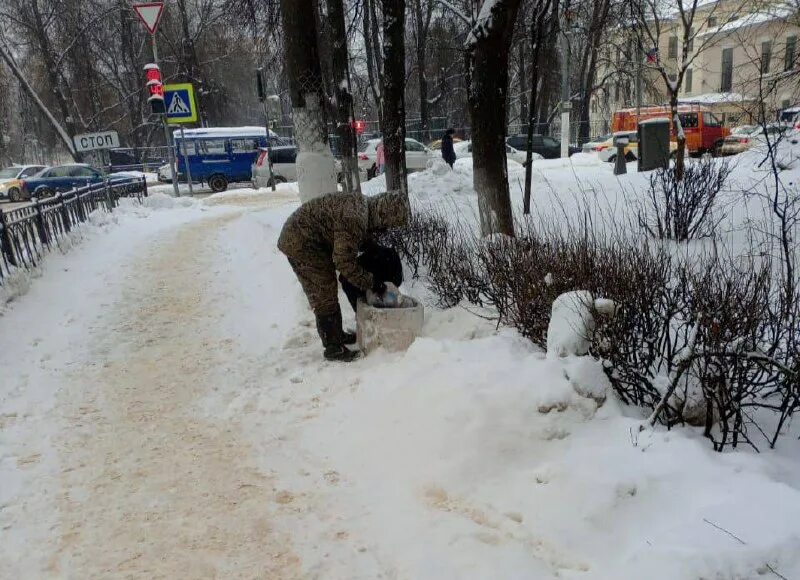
<point x="165" y="413"/>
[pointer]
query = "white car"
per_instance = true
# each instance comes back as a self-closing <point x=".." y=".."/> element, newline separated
<point x="417" y="157"/>
<point x="284" y="167"/>
<point x="464" y="149"/>
<point x="592" y="145"/>
<point x="10" y="186"/>
<point x="164" y="174"/>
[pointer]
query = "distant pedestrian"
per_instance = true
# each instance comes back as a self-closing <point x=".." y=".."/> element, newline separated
<point x="380" y="160"/>
<point x="448" y="153"/>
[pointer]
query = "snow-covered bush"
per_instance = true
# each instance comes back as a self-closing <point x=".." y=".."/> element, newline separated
<point x="706" y="341"/>
<point x="684" y="209"/>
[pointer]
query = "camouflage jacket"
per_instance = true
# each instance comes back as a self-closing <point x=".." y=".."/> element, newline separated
<point x="334" y="226"/>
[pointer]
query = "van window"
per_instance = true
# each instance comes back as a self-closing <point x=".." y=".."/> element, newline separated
<point x="186" y="147"/>
<point x="244" y="145"/>
<point x="710" y="120"/>
<point x="689" y="120"/>
<point x="210" y="147"/>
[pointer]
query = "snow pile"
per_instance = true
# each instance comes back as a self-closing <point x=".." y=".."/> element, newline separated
<point x="159" y="201"/>
<point x="480" y="459"/>
<point x="475" y="455"/>
<point x="572" y="322"/>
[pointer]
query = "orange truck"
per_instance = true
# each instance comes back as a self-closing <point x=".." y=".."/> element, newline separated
<point x="704" y="132"/>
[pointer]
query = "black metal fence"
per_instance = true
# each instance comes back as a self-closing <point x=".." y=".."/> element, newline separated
<point x="29" y="232"/>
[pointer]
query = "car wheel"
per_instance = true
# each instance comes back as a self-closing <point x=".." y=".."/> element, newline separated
<point x="45" y="192"/>
<point x="14" y="194"/>
<point x="218" y="183"/>
<point x="629" y="157"/>
<point x="612" y="159"/>
<point x="717" y="149"/>
<point x="371" y="172"/>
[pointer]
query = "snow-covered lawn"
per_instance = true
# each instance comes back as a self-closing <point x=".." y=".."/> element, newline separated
<point x="165" y="412"/>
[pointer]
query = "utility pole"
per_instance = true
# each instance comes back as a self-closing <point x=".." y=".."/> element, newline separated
<point x="566" y="101"/>
<point x="167" y="135"/>
<point x="150" y="14"/>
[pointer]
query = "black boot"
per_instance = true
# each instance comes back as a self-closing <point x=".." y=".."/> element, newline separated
<point x="349" y="338"/>
<point x="333" y="338"/>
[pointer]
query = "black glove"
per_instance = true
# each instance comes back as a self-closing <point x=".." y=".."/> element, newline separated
<point x="379" y="288"/>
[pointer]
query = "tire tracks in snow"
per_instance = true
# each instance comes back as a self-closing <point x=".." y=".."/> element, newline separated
<point x="150" y="488"/>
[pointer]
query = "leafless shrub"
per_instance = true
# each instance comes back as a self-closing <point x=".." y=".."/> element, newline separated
<point x="683" y="209"/>
<point x="709" y="341"/>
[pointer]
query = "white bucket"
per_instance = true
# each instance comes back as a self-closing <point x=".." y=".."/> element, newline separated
<point x="393" y="329"/>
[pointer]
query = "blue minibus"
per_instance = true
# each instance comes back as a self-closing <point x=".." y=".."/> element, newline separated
<point x="220" y="155"/>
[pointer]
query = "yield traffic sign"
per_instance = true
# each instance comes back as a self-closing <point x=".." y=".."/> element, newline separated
<point x="150" y="14"/>
<point x="180" y="103"/>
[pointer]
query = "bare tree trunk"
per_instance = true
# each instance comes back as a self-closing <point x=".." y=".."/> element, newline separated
<point x="522" y="74"/>
<point x="422" y="21"/>
<point x="680" y="154"/>
<point x="487" y="59"/>
<point x="316" y="171"/>
<point x="373" y="74"/>
<point x="394" y="82"/>
<point x="539" y="31"/>
<point x="62" y="100"/>
<point x="344" y="98"/>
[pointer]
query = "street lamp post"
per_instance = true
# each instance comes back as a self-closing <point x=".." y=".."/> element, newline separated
<point x="267" y="101"/>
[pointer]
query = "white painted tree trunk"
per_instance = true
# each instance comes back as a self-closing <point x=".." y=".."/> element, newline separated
<point x="316" y="167"/>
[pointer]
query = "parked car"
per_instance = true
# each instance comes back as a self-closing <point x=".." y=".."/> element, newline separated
<point x="590" y="147"/>
<point x="63" y="178"/>
<point x="284" y="168"/>
<point x="165" y="175"/>
<point x="743" y="138"/>
<point x="544" y="145"/>
<point x="417" y="157"/>
<point x="607" y="152"/>
<point x="134" y="160"/>
<point x="11" y="180"/>
<point x="464" y="149"/>
<point x="790" y="117"/>
<point x="436" y="144"/>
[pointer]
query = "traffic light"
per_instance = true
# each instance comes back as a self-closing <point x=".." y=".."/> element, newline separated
<point x="155" y="89"/>
<point x="359" y="126"/>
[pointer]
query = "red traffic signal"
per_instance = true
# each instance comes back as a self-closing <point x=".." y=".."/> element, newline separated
<point x="155" y="88"/>
<point x="359" y="126"/>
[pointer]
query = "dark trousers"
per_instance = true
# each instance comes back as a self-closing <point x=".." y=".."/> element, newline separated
<point x="384" y="264"/>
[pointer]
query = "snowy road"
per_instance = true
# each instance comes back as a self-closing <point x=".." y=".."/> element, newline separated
<point x="165" y="413"/>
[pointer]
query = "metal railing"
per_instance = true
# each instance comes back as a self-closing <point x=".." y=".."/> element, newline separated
<point x="29" y="232"/>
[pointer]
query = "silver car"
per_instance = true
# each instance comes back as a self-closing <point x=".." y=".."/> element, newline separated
<point x="284" y="167"/>
<point x="417" y="157"/>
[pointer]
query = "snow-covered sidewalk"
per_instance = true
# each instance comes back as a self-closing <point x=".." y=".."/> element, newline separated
<point x="165" y="413"/>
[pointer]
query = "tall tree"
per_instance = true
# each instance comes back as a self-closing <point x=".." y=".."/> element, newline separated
<point x="488" y="48"/>
<point x="541" y="26"/>
<point x="422" y="14"/>
<point x="394" y="85"/>
<point x="316" y="171"/>
<point x="343" y="96"/>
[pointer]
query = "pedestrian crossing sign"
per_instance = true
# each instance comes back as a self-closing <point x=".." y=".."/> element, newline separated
<point x="180" y="103"/>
